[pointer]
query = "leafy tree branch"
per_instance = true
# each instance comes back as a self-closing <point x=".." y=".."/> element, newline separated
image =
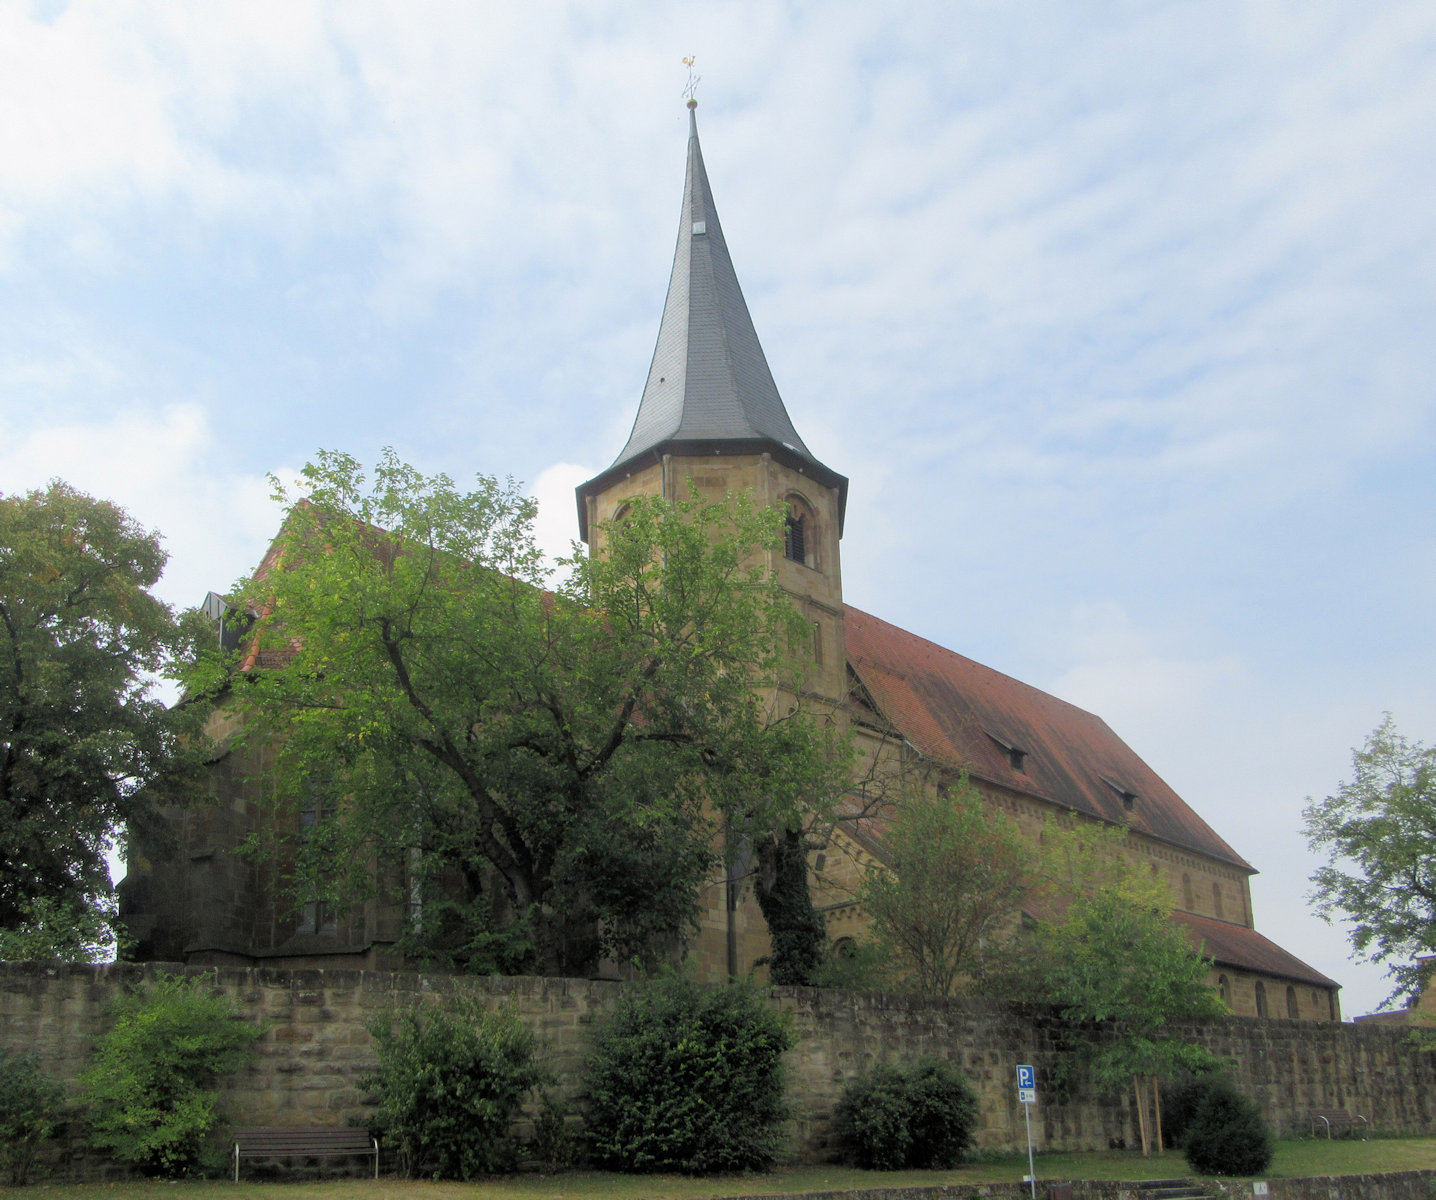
<point x="1378" y="830"/>
<point x="571" y="749"/>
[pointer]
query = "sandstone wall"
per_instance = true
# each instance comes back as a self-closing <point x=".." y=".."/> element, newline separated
<point x="1398" y="1185"/>
<point x="316" y="1048"/>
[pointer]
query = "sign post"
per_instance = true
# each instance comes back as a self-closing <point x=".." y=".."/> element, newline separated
<point x="1027" y="1097"/>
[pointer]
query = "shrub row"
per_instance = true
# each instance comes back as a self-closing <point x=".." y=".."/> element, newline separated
<point x="682" y="1078"/>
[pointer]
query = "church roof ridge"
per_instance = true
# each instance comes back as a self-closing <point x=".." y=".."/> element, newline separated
<point x="709" y="388"/>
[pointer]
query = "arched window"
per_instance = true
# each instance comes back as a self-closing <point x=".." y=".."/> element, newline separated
<point x="1217" y="901"/>
<point x="315" y="916"/>
<point x="800" y="532"/>
<point x="1260" y="999"/>
<point x="1224" y="988"/>
<point x="1187" y="901"/>
<point x="795" y="538"/>
<point x="1291" y="1009"/>
<point x="614" y="529"/>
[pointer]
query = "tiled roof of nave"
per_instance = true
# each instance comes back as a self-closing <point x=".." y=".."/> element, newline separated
<point x="961" y="713"/>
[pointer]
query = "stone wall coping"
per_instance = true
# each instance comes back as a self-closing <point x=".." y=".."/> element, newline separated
<point x="369" y="979"/>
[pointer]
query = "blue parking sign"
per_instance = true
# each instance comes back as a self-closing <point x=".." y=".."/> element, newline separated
<point x="1026" y="1085"/>
<point x="1027" y="1097"/>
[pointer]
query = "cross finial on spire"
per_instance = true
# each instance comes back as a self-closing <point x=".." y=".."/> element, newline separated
<point x="691" y="88"/>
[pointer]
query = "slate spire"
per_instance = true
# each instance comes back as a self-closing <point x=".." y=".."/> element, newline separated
<point x="709" y="389"/>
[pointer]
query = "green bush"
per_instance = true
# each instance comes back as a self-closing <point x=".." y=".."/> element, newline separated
<point x="451" y="1078"/>
<point x="1225" y="1134"/>
<point x="554" y="1145"/>
<point x="147" y="1095"/>
<point x="688" y="1078"/>
<point x="31" y="1109"/>
<point x="900" y="1117"/>
<point x="1179" y="1102"/>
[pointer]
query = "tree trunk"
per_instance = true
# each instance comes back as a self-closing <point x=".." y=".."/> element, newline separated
<point x="1141" y="1113"/>
<point x="1157" y="1103"/>
<point x="796" y="929"/>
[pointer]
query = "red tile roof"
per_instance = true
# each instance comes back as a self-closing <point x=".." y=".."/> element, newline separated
<point x="968" y="716"/>
<point x="1230" y="945"/>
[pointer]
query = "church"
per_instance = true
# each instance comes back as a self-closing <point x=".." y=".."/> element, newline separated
<point x="711" y="418"/>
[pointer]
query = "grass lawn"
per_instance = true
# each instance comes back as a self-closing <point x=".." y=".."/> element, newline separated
<point x="1293" y="1159"/>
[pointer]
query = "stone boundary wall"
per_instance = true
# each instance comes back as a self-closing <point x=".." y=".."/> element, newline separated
<point x="1398" y="1185"/>
<point x="1290" y="1068"/>
<point x="317" y="1048"/>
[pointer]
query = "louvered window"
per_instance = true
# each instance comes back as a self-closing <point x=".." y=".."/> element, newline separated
<point x="795" y="539"/>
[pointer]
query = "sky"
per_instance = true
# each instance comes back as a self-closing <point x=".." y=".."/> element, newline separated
<point x="1116" y="315"/>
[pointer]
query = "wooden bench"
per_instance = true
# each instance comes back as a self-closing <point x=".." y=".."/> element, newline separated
<point x="303" y="1143"/>
<point x="1333" y="1120"/>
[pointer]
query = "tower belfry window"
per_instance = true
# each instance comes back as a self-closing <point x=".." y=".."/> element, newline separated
<point x="795" y="539"/>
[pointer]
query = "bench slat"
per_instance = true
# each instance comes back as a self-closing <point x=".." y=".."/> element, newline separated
<point x="1332" y="1119"/>
<point x="359" y="1138"/>
<point x="303" y="1143"/>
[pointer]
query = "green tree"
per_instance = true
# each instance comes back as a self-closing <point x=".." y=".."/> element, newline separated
<point x="56" y="929"/>
<point x="1379" y="831"/>
<point x="565" y="755"/>
<point x="944" y="903"/>
<point x="1119" y="967"/>
<point x="84" y="742"/>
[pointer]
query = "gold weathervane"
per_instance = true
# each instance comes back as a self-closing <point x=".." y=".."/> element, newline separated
<point x="689" y="91"/>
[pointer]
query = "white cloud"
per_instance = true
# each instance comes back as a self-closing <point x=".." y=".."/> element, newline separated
<point x="84" y="105"/>
<point x="1118" y="671"/>
<point x="165" y="469"/>
<point x="1245" y="752"/>
<point x="556" y="527"/>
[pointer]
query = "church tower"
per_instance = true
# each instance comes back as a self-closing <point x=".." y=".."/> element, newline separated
<point x="711" y="414"/>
